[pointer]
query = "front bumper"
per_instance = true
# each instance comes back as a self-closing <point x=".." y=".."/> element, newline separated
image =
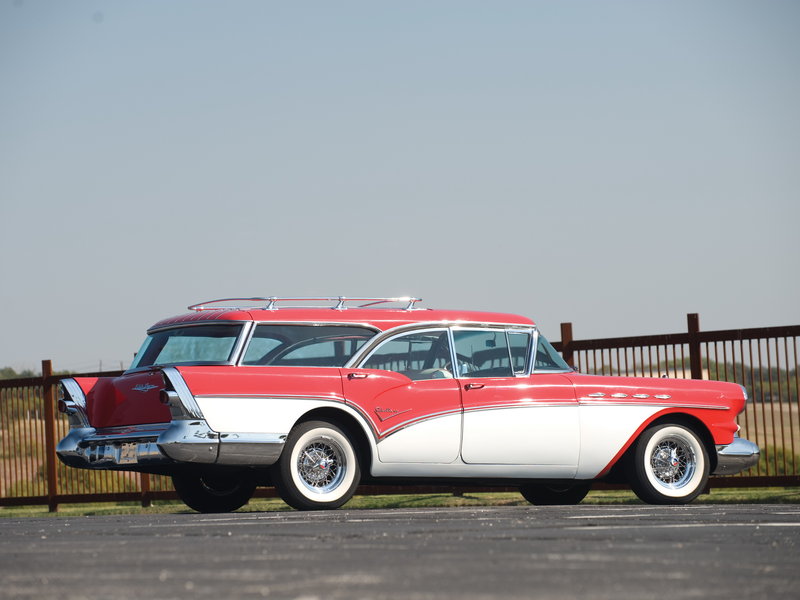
<point x="739" y="455"/>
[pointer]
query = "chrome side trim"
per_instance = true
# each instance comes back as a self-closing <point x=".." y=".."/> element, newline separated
<point x="586" y="401"/>
<point x="75" y="403"/>
<point x="185" y="406"/>
<point x="253" y="449"/>
<point x="739" y="455"/>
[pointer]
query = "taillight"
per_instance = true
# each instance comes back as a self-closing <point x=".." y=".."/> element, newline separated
<point x="167" y="396"/>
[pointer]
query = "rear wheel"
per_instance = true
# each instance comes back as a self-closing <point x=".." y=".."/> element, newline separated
<point x="670" y="465"/>
<point x="214" y="492"/>
<point x="318" y="468"/>
<point x="552" y="494"/>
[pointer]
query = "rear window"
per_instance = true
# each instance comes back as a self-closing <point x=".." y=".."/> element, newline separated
<point x="196" y="345"/>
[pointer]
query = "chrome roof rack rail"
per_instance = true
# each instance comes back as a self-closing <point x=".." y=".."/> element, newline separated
<point x="270" y="302"/>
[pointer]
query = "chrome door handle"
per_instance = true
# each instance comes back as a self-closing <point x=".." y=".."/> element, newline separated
<point x="473" y="386"/>
<point x="357" y="375"/>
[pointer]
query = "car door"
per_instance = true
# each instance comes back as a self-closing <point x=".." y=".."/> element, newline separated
<point x="512" y="417"/>
<point x="405" y="387"/>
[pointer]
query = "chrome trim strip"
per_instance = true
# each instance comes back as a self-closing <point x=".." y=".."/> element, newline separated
<point x="416" y="421"/>
<point x="123" y="432"/>
<point x="337" y="399"/>
<point x="253" y="449"/>
<point x="75" y="404"/>
<point x="242" y="341"/>
<point x="188" y="407"/>
<point x="518" y="404"/>
<point x="595" y="402"/>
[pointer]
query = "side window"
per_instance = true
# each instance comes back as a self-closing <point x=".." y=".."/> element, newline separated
<point x="482" y="353"/>
<point x="520" y="344"/>
<point x="304" y="345"/>
<point x="261" y="344"/>
<point x="424" y="355"/>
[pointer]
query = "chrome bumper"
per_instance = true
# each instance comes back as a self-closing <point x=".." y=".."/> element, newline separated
<point x="181" y="441"/>
<point x="737" y="456"/>
<point x="186" y="439"/>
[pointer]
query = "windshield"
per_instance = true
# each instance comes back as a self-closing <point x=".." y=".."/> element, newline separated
<point x="547" y="359"/>
<point x="196" y="345"/>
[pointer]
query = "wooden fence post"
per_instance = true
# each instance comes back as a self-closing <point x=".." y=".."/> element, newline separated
<point x="566" y="341"/>
<point x="144" y="484"/>
<point x="695" y="360"/>
<point x="50" y="435"/>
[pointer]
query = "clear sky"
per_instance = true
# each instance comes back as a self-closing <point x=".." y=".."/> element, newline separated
<point x="613" y="164"/>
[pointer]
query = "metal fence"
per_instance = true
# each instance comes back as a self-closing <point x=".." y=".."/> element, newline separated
<point x="764" y="360"/>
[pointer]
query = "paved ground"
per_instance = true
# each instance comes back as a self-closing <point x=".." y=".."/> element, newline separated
<point x="619" y="552"/>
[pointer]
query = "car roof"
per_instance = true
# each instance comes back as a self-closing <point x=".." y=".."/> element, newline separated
<point x="380" y="318"/>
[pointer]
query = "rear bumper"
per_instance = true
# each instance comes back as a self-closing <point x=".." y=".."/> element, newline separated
<point x="186" y="439"/>
<point x="739" y="455"/>
<point x="162" y="444"/>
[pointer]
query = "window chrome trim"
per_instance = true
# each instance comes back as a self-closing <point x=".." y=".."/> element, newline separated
<point x="360" y="356"/>
<point x="506" y="329"/>
<point x="374" y="347"/>
<point x="232" y="356"/>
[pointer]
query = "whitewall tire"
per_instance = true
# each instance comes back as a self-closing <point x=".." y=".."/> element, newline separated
<point x="318" y="468"/>
<point x="670" y="465"/>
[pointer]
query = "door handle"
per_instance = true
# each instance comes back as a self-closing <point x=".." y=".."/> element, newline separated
<point x="473" y="386"/>
<point x="357" y="375"/>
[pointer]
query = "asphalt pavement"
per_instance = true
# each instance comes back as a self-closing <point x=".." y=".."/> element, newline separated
<point x="632" y="552"/>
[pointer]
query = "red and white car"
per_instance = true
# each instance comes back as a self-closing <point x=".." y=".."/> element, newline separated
<point x="315" y="400"/>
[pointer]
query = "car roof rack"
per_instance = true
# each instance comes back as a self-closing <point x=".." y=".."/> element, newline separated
<point x="270" y="302"/>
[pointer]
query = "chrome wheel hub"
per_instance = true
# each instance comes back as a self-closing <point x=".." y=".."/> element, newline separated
<point x="673" y="462"/>
<point x="320" y="466"/>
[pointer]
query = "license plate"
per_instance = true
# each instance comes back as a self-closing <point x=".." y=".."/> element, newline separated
<point x="127" y="453"/>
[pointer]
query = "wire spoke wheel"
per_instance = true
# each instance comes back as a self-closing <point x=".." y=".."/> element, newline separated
<point x="673" y="462"/>
<point x="321" y="465"/>
<point x="669" y="466"/>
<point x="318" y="468"/>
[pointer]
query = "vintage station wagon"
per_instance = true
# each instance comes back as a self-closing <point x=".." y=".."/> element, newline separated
<point x="316" y="399"/>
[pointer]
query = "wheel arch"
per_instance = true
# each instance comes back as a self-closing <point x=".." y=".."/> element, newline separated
<point x="616" y="473"/>
<point x="695" y="425"/>
<point x="351" y="425"/>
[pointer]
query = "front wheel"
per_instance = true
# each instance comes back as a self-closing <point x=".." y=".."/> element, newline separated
<point x="318" y="468"/>
<point x="214" y="492"/>
<point x="670" y="465"/>
<point x="552" y="495"/>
